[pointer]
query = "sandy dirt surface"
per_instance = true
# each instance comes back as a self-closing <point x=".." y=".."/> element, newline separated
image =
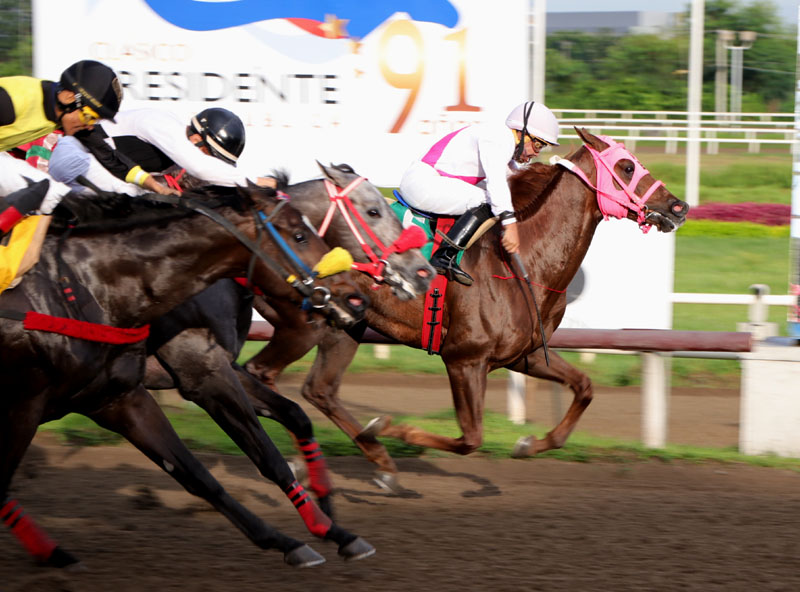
<point x="467" y="523"/>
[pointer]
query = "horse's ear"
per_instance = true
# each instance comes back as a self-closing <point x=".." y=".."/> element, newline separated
<point x="590" y="139"/>
<point x="337" y="174"/>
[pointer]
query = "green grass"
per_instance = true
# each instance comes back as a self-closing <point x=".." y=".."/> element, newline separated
<point x="500" y="435"/>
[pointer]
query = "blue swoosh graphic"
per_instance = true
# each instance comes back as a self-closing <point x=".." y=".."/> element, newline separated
<point x="363" y="15"/>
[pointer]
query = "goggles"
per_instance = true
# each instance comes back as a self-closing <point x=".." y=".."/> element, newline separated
<point x="88" y="116"/>
<point x="538" y="143"/>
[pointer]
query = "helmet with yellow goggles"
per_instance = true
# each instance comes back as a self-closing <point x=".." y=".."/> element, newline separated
<point x="98" y="92"/>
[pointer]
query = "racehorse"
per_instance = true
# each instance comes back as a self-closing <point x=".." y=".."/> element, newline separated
<point x="102" y="279"/>
<point x="494" y="324"/>
<point x="197" y="343"/>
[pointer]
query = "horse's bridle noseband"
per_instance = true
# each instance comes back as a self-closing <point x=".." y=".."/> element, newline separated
<point x="612" y="201"/>
<point x="377" y="266"/>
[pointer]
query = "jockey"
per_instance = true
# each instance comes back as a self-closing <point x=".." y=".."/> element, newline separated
<point x="147" y="140"/>
<point x="464" y="174"/>
<point x="30" y="108"/>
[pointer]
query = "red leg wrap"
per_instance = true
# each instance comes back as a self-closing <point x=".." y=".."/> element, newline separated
<point x="33" y="538"/>
<point x="319" y="480"/>
<point x="316" y="521"/>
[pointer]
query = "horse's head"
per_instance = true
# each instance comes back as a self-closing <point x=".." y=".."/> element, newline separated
<point x="626" y="189"/>
<point x="356" y="216"/>
<point x="296" y="256"/>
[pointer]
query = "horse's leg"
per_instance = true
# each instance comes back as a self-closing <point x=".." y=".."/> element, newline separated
<point x="137" y="417"/>
<point x="209" y="381"/>
<point x="293" y="338"/>
<point x="468" y="386"/>
<point x="335" y="351"/>
<point x="291" y="416"/>
<point x="562" y="372"/>
<point x="17" y="428"/>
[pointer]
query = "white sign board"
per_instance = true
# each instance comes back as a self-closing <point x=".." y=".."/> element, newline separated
<point x="367" y="83"/>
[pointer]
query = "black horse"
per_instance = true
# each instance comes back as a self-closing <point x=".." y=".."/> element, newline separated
<point x="197" y="343"/>
<point x="110" y="266"/>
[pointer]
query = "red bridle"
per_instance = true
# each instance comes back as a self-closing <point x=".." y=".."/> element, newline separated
<point x="411" y="238"/>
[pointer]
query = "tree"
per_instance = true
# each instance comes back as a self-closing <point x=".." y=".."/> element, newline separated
<point x="15" y="37"/>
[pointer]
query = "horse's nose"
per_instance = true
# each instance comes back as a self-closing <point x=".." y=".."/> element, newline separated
<point x="680" y="208"/>
<point x="357" y="302"/>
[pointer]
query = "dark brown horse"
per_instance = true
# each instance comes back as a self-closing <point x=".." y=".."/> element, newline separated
<point x="493" y="324"/>
<point x="128" y="262"/>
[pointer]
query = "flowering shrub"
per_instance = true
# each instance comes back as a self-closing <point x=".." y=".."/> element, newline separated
<point x="769" y="214"/>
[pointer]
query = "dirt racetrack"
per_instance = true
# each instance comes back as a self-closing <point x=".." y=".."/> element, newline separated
<point x="468" y="524"/>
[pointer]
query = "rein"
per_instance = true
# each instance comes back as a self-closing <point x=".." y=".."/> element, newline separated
<point x="614" y="202"/>
<point x="376" y="266"/>
<point x="314" y="296"/>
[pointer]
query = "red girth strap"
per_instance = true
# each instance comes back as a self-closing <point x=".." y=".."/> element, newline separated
<point x="35" y="321"/>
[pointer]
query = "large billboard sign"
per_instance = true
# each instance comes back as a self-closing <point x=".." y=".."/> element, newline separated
<point x="368" y="83"/>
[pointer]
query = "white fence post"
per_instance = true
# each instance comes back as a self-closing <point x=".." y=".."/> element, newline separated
<point x="515" y="392"/>
<point x="654" y="400"/>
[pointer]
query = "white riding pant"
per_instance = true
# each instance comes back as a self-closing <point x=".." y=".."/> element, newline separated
<point x="425" y="189"/>
<point x="13" y="175"/>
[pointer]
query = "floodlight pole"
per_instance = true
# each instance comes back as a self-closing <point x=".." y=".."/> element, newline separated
<point x="695" y="103"/>
<point x="793" y="320"/>
<point x="538" y="47"/>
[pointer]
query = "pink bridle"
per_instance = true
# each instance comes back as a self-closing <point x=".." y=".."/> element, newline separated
<point x="612" y="201"/>
<point x="412" y="237"/>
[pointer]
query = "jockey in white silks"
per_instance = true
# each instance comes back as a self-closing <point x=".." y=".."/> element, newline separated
<point x="149" y="140"/>
<point x="465" y="174"/>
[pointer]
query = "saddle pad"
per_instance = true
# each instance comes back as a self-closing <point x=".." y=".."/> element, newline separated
<point x="15" y="258"/>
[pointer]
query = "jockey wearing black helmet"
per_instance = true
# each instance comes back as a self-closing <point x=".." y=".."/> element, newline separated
<point x="221" y="131"/>
<point x="144" y="142"/>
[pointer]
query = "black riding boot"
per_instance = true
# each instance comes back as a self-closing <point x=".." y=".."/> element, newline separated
<point x="456" y="240"/>
<point x="15" y="206"/>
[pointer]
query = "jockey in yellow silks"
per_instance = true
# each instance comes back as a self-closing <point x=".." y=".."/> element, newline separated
<point x="30" y="108"/>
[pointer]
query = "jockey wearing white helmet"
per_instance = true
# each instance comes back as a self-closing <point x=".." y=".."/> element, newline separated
<point x="464" y="174"/>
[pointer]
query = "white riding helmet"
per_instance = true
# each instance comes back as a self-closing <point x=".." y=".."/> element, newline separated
<point x="536" y="120"/>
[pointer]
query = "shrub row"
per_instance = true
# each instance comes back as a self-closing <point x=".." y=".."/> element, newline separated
<point x="769" y="214"/>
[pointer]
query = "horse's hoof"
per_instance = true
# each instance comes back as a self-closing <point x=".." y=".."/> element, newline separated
<point x="387" y="482"/>
<point x="357" y="549"/>
<point x="523" y="447"/>
<point x="299" y="469"/>
<point x="65" y="560"/>
<point x="325" y="504"/>
<point x="375" y="426"/>
<point x="303" y="556"/>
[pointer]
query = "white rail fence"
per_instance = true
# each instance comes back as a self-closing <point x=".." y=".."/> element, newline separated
<point x="655" y="369"/>
<point x="672" y="127"/>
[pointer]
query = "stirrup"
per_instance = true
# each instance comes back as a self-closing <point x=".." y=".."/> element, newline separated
<point x="453" y="273"/>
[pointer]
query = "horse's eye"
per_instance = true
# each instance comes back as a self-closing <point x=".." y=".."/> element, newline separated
<point x="629" y="169"/>
<point x="300" y="237"/>
<point x="373" y="213"/>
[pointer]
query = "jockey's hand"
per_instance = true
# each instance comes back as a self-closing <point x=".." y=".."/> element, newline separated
<point x="510" y="238"/>
<point x="267" y="182"/>
<point x="152" y="185"/>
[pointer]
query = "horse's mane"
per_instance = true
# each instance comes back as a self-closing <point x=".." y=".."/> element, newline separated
<point x="118" y="211"/>
<point x="531" y="184"/>
<point x="281" y="176"/>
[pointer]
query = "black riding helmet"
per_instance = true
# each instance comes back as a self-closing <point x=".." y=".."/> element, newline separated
<point x="222" y="132"/>
<point x="95" y="85"/>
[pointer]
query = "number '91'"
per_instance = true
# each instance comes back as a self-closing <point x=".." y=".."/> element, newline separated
<point x="413" y="80"/>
